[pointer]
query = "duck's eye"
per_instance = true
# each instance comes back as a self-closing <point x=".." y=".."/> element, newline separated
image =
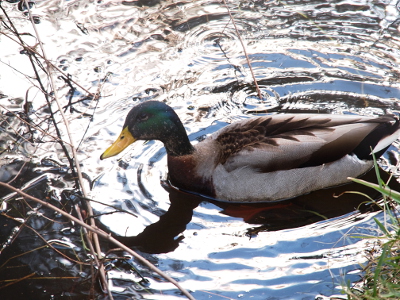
<point x="143" y="117"/>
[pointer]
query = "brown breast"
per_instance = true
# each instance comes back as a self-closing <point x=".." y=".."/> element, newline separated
<point x="182" y="175"/>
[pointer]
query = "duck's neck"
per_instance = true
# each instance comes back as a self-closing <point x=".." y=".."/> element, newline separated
<point x="177" y="143"/>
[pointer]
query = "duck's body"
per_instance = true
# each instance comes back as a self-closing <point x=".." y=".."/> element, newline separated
<point x="264" y="158"/>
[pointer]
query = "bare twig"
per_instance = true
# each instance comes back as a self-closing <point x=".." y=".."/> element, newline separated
<point x="95" y="107"/>
<point x="48" y="71"/>
<point x="244" y="50"/>
<point x="18" y="280"/>
<point x="36" y="127"/>
<point x="41" y="63"/>
<point x="103" y="234"/>
<point x="46" y="245"/>
<point x="42" y="88"/>
<point x="33" y="51"/>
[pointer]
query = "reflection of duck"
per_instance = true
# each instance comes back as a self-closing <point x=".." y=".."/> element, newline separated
<point x="166" y="234"/>
<point x="264" y="158"/>
<point x="316" y="206"/>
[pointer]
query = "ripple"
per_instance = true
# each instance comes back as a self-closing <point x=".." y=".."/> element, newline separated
<point x="213" y="41"/>
<point x="307" y="56"/>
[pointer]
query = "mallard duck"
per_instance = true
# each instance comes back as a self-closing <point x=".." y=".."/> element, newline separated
<point x="262" y="159"/>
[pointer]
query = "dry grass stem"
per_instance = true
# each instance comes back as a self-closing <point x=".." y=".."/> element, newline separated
<point x="244" y="50"/>
<point x="103" y="234"/>
<point x="50" y="74"/>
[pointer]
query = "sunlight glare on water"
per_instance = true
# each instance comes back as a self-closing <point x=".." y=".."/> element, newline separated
<point x="336" y="57"/>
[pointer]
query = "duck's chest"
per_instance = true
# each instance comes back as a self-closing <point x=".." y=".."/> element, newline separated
<point x="184" y="173"/>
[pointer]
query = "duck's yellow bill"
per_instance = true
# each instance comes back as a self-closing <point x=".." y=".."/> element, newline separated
<point x="123" y="141"/>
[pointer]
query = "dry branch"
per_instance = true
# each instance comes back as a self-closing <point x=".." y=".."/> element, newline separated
<point x="244" y="50"/>
<point x="49" y="71"/>
<point x="103" y="234"/>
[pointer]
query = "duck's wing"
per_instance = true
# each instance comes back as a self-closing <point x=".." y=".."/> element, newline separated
<point x="283" y="142"/>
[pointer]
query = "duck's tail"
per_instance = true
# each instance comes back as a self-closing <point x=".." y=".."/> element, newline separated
<point x="380" y="138"/>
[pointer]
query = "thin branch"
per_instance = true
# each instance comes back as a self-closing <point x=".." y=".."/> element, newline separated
<point x="49" y="72"/>
<point x="33" y="51"/>
<point x="244" y="50"/>
<point x="102" y="234"/>
<point x="34" y="126"/>
<point x="46" y="245"/>
<point x="19" y="280"/>
<point x="42" y="88"/>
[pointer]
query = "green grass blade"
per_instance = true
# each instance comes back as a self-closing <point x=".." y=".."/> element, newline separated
<point x="383" y="190"/>
<point x="376" y="167"/>
<point x="382" y="227"/>
<point x="378" y="270"/>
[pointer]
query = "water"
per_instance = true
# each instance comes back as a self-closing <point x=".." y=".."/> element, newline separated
<point x="339" y="57"/>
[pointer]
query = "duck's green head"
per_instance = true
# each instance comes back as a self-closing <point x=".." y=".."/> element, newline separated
<point x="152" y="120"/>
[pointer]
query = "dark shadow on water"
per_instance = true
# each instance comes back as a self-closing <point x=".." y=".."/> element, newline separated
<point x="29" y="258"/>
<point x="161" y="237"/>
<point x="164" y="236"/>
<point x="41" y="254"/>
<point x="313" y="207"/>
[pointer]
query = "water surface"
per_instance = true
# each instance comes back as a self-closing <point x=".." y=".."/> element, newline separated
<point x="339" y="57"/>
